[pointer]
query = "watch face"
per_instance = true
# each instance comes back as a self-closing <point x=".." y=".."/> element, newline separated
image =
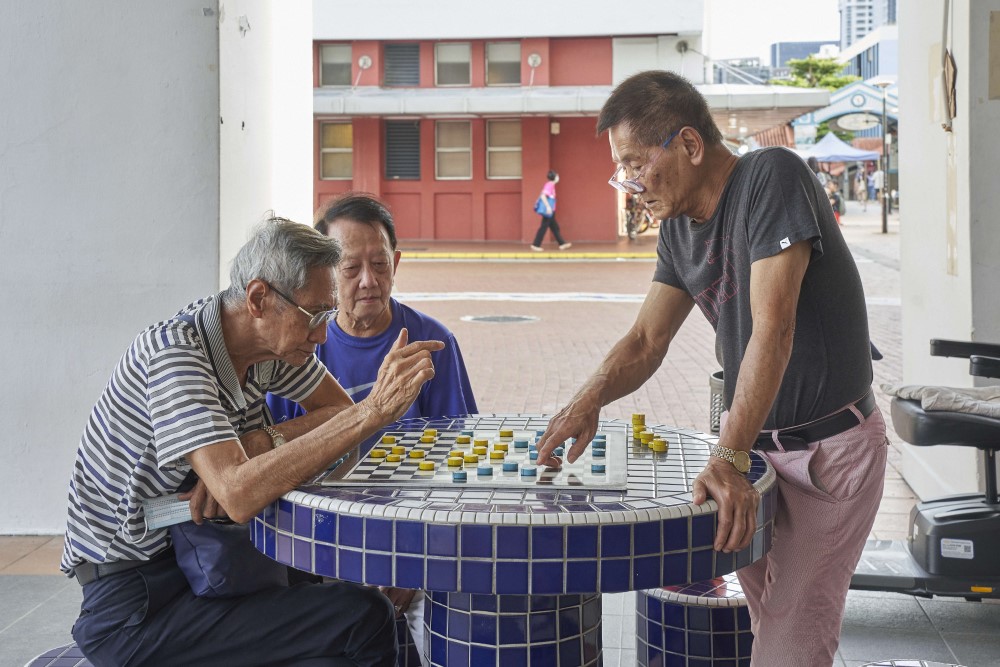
<point x="742" y="461"/>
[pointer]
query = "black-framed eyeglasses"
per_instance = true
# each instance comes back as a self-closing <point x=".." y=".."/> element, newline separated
<point x="632" y="186"/>
<point x="316" y="320"/>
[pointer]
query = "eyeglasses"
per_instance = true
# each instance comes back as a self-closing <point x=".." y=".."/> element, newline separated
<point x="632" y="186"/>
<point x="316" y="320"/>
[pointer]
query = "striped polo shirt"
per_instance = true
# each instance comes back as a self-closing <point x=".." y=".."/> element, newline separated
<point x="173" y="391"/>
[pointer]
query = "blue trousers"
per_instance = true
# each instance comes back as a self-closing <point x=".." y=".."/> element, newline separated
<point x="149" y="616"/>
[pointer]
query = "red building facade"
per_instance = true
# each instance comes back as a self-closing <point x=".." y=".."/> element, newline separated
<point x="457" y="136"/>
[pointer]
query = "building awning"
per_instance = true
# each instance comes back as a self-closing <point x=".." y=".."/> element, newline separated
<point x="738" y="109"/>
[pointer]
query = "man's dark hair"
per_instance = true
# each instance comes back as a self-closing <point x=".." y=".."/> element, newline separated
<point x="653" y="104"/>
<point x="357" y="206"/>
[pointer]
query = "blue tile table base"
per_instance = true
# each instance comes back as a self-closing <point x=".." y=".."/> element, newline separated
<point x="408" y="653"/>
<point x="513" y="630"/>
<point x="706" y="624"/>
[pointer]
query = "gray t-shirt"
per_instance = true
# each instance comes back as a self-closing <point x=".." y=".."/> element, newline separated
<point x="771" y="201"/>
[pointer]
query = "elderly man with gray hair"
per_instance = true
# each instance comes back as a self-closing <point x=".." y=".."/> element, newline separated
<point x="188" y="395"/>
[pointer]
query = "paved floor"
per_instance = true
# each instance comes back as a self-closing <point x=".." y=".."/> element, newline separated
<point x="577" y="303"/>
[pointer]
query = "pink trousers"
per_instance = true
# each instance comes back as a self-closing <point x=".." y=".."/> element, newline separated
<point x="828" y="496"/>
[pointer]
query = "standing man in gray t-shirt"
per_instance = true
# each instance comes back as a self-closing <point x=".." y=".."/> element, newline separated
<point x="753" y="243"/>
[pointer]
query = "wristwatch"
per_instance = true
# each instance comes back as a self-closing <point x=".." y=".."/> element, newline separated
<point x="277" y="440"/>
<point x="739" y="458"/>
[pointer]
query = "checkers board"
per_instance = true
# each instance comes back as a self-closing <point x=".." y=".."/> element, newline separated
<point x="479" y="452"/>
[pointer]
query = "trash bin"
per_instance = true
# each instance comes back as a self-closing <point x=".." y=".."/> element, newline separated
<point x="715" y="408"/>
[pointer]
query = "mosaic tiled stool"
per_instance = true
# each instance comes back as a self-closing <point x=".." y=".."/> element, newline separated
<point x="706" y="624"/>
<point x="514" y="630"/>
<point x="513" y="569"/>
<point x="909" y="663"/>
<point x="64" y="656"/>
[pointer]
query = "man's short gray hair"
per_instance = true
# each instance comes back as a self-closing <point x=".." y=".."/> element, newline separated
<point x="281" y="253"/>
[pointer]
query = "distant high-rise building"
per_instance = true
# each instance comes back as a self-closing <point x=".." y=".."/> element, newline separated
<point x="860" y="17"/>
<point x="782" y="52"/>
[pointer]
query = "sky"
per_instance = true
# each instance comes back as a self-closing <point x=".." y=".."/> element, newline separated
<point x="745" y="28"/>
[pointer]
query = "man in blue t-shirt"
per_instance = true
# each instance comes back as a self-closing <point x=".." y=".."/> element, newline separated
<point x="369" y="321"/>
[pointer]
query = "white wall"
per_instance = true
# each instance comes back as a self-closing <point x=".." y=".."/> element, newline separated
<point x="466" y="19"/>
<point x="108" y="214"/>
<point x="636" y="54"/>
<point x="265" y="53"/>
<point x="950" y="240"/>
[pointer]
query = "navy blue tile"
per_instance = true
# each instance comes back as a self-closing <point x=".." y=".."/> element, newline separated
<point x="409" y="537"/>
<point x="512" y="580"/>
<point x="510" y="604"/>
<point x="378" y="534"/>
<point x="581" y="542"/>
<point x="513" y="629"/>
<point x="744" y="557"/>
<point x="351" y="531"/>
<point x="646" y="538"/>
<point x="458" y="654"/>
<point x="675" y="568"/>
<point x="438" y="619"/>
<point x="675" y="535"/>
<point x="569" y="621"/>
<point x="325" y="527"/>
<point x="570" y="652"/>
<point x="724" y="563"/>
<point x="673" y="616"/>
<point x="349" y="566"/>
<point x="442" y="575"/>
<point x="591" y="646"/>
<point x="512" y="542"/>
<point x="257" y="534"/>
<point x="547" y="542"/>
<point x="546" y="578"/>
<point x="378" y="569"/>
<point x="477" y="576"/>
<point x="616" y="575"/>
<point x="543" y="655"/>
<point x="702" y="530"/>
<point x="477" y="541"/>
<point x="486" y="603"/>
<point x="701" y="662"/>
<point x="483" y="655"/>
<point x="302" y="555"/>
<point x="484" y="629"/>
<point x="303" y="521"/>
<point x="543" y="602"/>
<point x="581" y="576"/>
<point x="442" y="540"/>
<point x="615" y="541"/>
<point x="654" y="634"/>
<point x="723" y="645"/>
<point x="269" y="542"/>
<point x="744" y="643"/>
<point x="645" y="572"/>
<point x="675" y="640"/>
<point x="698" y="619"/>
<point x="459" y="625"/>
<point x="724" y="619"/>
<point x="461" y="601"/>
<point x="592" y="611"/>
<point x="701" y="564"/>
<point x="270" y="514"/>
<point x="513" y="656"/>
<point x="542" y="628"/>
<point x="439" y="650"/>
<point x="653" y="607"/>
<point x="285" y="515"/>
<point x="326" y="561"/>
<point x="409" y="572"/>
<point x="700" y="644"/>
<point x="283" y="552"/>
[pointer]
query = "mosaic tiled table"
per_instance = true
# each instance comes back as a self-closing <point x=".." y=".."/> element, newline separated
<point x="515" y="572"/>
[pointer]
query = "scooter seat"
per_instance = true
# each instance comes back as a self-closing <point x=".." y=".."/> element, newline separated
<point x="920" y="427"/>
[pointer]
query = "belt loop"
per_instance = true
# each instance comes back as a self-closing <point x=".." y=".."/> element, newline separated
<point x="776" y="441"/>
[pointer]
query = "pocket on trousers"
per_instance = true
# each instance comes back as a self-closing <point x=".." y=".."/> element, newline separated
<point x="842" y="466"/>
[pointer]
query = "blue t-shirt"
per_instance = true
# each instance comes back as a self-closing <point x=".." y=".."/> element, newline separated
<point x="354" y="362"/>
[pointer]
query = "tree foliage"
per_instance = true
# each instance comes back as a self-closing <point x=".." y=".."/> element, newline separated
<point x="814" y="72"/>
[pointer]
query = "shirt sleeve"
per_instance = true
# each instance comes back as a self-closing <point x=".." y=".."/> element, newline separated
<point x="665" y="272"/>
<point x="296" y="383"/>
<point x="784" y="206"/>
<point x="184" y="406"/>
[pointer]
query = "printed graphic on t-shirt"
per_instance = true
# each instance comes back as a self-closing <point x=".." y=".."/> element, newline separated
<point x="724" y="288"/>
